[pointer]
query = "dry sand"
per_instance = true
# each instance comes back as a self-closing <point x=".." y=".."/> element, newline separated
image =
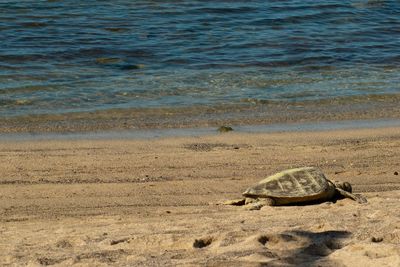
<point x="154" y="202"/>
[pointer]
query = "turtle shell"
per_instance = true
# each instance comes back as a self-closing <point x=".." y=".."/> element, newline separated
<point x="294" y="183"/>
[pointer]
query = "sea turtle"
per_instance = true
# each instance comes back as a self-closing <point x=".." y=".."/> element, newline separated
<point x="293" y="186"/>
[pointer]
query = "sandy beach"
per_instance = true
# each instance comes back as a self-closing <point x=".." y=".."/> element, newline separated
<point x="113" y="150"/>
<point x="155" y="202"/>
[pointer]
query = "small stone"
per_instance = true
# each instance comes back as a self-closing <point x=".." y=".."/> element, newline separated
<point x="203" y="242"/>
<point x="225" y="129"/>
<point x="376" y="239"/>
<point x="396" y="173"/>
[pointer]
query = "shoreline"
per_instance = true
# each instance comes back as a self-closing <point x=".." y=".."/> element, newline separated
<point x="245" y="114"/>
<point x="205" y="131"/>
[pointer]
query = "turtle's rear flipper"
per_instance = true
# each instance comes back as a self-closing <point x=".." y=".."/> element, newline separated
<point x="235" y="202"/>
<point x="357" y="197"/>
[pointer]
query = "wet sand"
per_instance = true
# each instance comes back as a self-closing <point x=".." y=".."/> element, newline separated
<point x="249" y="112"/>
<point x="154" y="202"/>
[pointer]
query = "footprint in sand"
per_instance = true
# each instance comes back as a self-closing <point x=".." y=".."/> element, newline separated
<point x="285" y="248"/>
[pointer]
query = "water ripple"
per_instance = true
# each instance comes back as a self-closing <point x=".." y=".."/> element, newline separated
<point x="64" y="56"/>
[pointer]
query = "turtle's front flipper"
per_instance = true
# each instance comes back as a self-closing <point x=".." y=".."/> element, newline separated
<point x="258" y="203"/>
<point x="267" y="201"/>
<point x="357" y="197"/>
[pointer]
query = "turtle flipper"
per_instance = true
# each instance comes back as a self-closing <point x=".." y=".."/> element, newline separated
<point x="235" y="202"/>
<point x="357" y="197"/>
<point x="267" y="201"/>
<point x="258" y="203"/>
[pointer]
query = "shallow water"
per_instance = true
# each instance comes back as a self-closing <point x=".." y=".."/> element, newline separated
<point x="76" y="56"/>
<point x="201" y="131"/>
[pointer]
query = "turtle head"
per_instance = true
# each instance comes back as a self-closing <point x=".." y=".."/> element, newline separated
<point x="344" y="186"/>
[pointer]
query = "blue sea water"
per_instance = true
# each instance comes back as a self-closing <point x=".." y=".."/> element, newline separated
<point x="73" y="56"/>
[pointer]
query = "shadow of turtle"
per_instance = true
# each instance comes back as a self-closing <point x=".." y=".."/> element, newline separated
<point x="304" y="248"/>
